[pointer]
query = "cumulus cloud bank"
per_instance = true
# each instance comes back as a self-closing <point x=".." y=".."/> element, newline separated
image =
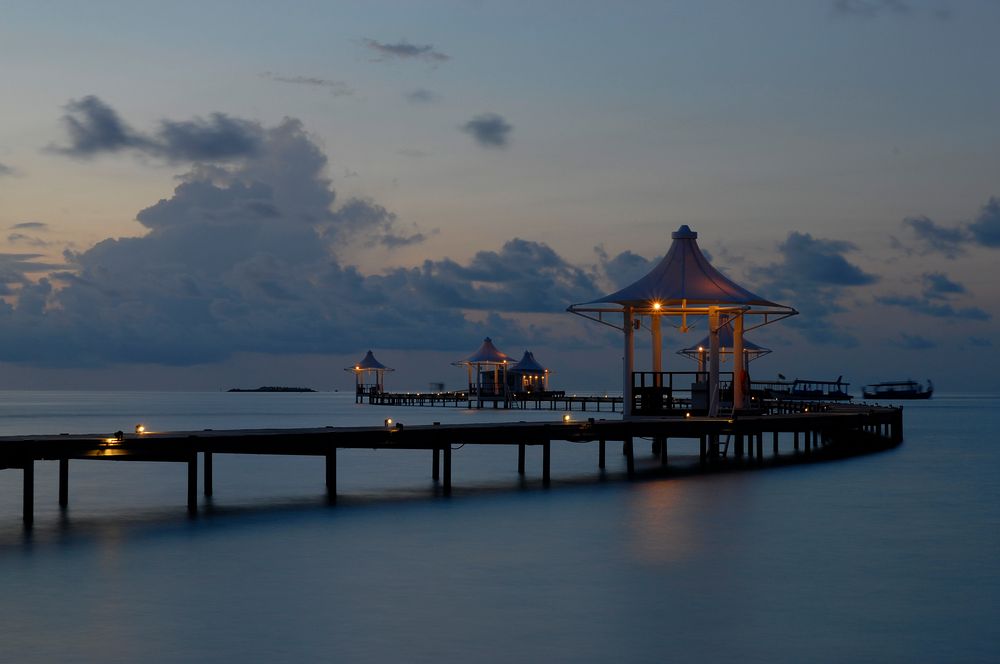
<point x="253" y="254"/>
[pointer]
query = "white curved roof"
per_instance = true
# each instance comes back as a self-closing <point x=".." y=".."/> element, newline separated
<point x="487" y="354"/>
<point x="369" y="362"/>
<point x="725" y="345"/>
<point x="685" y="277"/>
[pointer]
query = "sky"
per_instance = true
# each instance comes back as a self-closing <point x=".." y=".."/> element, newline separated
<point x="198" y="195"/>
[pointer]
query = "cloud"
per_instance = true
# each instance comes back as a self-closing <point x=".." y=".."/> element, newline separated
<point x="220" y="137"/>
<point x="254" y="256"/>
<point x="913" y="342"/>
<point x="335" y="88"/>
<point x="30" y="226"/>
<point x="623" y="269"/>
<point x="900" y="8"/>
<point x="938" y="285"/>
<point x="935" y="309"/>
<point x="980" y="342"/>
<point x="489" y="130"/>
<point x="812" y="276"/>
<point x="403" y="50"/>
<point x="934" y="238"/>
<point x="6" y="170"/>
<point x="815" y="261"/>
<point x="951" y="241"/>
<point x="95" y="128"/>
<point x="21" y="238"/>
<point x="871" y="8"/>
<point x="422" y="96"/>
<point x="986" y="228"/>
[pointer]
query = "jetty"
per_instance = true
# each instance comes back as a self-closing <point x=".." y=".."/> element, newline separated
<point x="811" y="431"/>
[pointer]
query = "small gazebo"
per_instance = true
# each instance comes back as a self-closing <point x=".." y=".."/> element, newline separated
<point x="528" y="375"/>
<point x="369" y="376"/>
<point x="490" y="365"/>
<point x="684" y="284"/>
<point x="699" y="351"/>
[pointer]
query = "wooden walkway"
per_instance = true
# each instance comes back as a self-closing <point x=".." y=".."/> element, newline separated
<point x="518" y="401"/>
<point x="826" y="429"/>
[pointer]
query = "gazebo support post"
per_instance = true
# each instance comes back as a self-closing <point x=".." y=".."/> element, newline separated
<point x="657" y="350"/>
<point x="713" y="361"/>
<point x="629" y="363"/>
<point x="739" y="362"/>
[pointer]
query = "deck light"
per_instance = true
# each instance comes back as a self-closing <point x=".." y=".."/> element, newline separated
<point x="687" y="414"/>
<point x="656" y="306"/>
<point x="140" y="429"/>
<point x="388" y="422"/>
<point x="566" y="417"/>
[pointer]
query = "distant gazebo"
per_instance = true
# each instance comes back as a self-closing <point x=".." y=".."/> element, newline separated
<point x="683" y="284"/>
<point x="369" y="377"/>
<point x="490" y="366"/>
<point x="528" y="375"/>
<point x="699" y="351"/>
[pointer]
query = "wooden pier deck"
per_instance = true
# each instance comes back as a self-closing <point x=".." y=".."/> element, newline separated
<point x="516" y="401"/>
<point x="819" y="431"/>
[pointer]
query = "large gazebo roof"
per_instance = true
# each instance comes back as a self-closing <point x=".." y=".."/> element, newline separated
<point x="725" y="345"/>
<point x="488" y="354"/>
<point x="527" y="364"/>
<point x="684" y="282"/>
<point x="370" y="363"/>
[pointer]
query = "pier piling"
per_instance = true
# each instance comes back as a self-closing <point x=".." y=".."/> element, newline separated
<point x="447" y="469"/>
<point x="192" y="484"/>
<point x="28" y="502"/>
<point x="331" y="474"/>
<point x="207" y="474"/>
<point x="436" y="464"/>
<point x="520" y="459"/>
<point x="63" y="482"/>
<point x="546" y="459"/>
<point x="600" y="454"/>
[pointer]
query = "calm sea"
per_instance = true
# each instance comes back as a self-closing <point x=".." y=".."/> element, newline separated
<point x="891" y="557"/>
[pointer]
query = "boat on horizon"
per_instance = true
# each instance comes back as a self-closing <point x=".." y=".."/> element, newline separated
<point x="900" y="389"/>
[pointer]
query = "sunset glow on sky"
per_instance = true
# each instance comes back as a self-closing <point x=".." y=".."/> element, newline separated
<point x="202" y="194"/>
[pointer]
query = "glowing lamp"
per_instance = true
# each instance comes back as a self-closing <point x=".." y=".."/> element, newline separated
<point x="140" y="429"/>
<point x="388" y="422"/>
<point x="687" y="414"/>
<point x="656" y="306"/>
<point x="566" y="417"/>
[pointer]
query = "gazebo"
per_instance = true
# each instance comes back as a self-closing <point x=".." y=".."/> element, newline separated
<point x="528" y="375"/>
<point x="699" y="351"/>
<point x="490" y="365"/>
<point x="369" y="376"/>
<point x="684" y="284"/>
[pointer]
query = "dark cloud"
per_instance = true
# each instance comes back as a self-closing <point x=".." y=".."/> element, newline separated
<point x="938" y="285"/>
<point x="813" y="276"/>
<point x="422" y="96"/>
<point x="254" y="256"/>
<point x="899" y="8"/>
<point x="936" y="309"/>
<point x="336" y="88"/>
<point x="489" y="129"/>
<point x="951" y="241"/>
<point x="95" y="128"/>
<point x="220" y="137"/>
<point x="934" y="238"/>
<point x="986" y="228"/>
<point x="403" y="50"/>
<point x="6" y="170"/>
<point x="30" y="226"/>
<point x="623" y="269"/>
<point x="871" y="8"/>
<point x="980" y="342"/>
<point x="21" y="238"/>
<point x="913" y="342"/>
<point x="814" y="261"/>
